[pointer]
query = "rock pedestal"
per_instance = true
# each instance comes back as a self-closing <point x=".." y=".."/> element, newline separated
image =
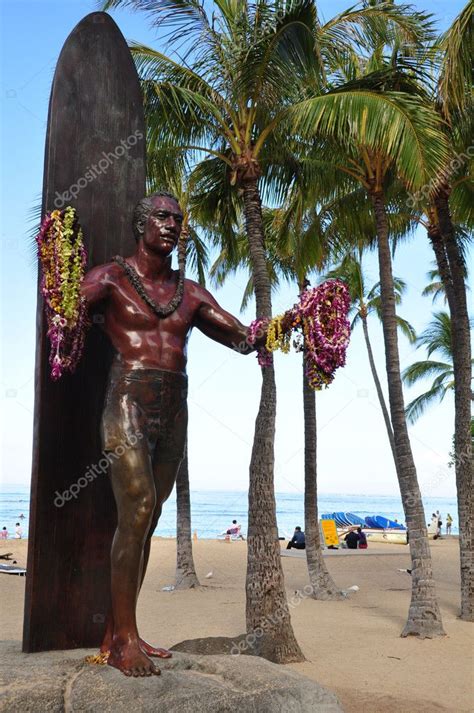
<point x="62" y="681"/>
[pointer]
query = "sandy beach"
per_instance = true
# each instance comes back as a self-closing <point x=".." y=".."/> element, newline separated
<point x="352" y="647"/>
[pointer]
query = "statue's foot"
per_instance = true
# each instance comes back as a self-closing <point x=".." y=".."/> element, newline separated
<point x="154" y="651"/>
<point x="131" y="659"/>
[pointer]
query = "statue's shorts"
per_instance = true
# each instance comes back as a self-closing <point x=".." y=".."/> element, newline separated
<point x="146" y="408"/>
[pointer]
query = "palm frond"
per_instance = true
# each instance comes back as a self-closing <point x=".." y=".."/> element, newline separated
<point x="406" y="329"/>
<point x="457" y="69"/>
<point x="399" y="126"/>
<point x="418" y="406"/>
<point x="426" y="369"/>
<point x="437" y="335"/>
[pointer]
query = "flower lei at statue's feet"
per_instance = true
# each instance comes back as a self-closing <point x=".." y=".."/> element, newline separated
<point x="322" y="331"/>
<point x="63" y="258"/>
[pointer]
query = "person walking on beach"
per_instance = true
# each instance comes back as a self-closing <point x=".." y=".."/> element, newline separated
<point x="4" y="534"/>
<point x="298" y="540"/>
<point x="440" y="523"/>
<point x="449" y="522"/>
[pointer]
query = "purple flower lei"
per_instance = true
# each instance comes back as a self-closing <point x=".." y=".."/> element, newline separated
<point x="63" y="259"/>
<point x="257" y="329"/>
<point x="322" y="329"/>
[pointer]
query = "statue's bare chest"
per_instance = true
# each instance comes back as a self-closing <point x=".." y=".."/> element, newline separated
<point x="127" y="308"/>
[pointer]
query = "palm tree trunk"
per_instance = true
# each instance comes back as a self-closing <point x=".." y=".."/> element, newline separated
<point x="450" y="267"/>
<point x="378" y="388"/>
<point x="267" y="612"/>
<point x="186" y="577"/>
<point x="424" y="617"/>
<point x="323" y="586"/>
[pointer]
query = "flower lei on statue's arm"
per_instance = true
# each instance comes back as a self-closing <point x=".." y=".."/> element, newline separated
<point x="63" y="258"/>
<point x="322" y="331"/>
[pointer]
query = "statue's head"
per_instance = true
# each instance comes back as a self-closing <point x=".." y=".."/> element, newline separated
<point x="148" y="205"/>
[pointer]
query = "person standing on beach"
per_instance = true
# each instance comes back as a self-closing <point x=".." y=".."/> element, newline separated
<point x="18" y="531"/>
<point x="449" y="522"/>
<point x="150" y="311"/>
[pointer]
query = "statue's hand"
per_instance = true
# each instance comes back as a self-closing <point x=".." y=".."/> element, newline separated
<point x="287" y="321"/>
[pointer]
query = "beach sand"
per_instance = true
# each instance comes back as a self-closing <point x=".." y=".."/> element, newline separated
<point x="353" y="647"/>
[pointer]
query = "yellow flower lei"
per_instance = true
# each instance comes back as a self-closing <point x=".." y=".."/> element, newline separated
<point x="276" y="339"/>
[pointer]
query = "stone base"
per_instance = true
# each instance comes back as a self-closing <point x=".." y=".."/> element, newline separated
<point x="62" y="681"/>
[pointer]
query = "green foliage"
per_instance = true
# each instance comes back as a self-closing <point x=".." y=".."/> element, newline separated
<point x="435" y="338"/>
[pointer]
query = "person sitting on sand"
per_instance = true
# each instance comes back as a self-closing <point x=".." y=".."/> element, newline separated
<point x="234" y="530"/>
<point x="352" y="539"/>
<point x="4" y="534"/>
<point x="298" y="540"/>
<point x="18" y="531"/>
<point x="362" y="539"/>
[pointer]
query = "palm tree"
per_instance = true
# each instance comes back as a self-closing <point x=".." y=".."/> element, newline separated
<point x="375" y="167"/>
<point x="322" y="583"/>
<point x="450" y="203"/>
<point x="253" y="88"/>
<point x="231" y="102"/>
<point x="436" y="338"/>
<point x="186" y="577"/>
<point x="291" y="256"/>
<point x="350" y="269"/>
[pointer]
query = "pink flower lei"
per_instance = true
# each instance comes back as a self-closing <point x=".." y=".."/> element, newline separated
<point x="322" y="329"/>
<point x="63" y="259"/>
<point x="321" y="318"/>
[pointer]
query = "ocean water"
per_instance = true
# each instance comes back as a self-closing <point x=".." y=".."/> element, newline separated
<point x="213" y="511"/>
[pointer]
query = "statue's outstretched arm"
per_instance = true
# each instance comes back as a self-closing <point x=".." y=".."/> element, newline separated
<point x="221" y="326"/>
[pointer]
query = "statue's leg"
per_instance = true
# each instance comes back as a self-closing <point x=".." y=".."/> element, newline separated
<point x="135" y="496"/>
<point x="165" y="478"/>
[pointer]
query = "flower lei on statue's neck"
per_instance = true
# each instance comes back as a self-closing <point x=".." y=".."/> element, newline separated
<point x="63" y="258"/>
<point x="322" y="329"/>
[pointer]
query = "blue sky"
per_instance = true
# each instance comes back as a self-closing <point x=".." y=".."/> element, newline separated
<point x="354" y="456"/>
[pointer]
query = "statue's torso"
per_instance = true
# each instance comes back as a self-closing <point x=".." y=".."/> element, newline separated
<point x="141" y="338"/>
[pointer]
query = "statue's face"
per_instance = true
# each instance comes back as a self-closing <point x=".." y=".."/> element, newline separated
<point x="163" y="226"/>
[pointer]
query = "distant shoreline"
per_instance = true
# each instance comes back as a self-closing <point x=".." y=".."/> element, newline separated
<point x="210" y="539"/>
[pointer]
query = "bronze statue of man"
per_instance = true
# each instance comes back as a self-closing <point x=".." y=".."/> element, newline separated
<point x="150" y="311"/>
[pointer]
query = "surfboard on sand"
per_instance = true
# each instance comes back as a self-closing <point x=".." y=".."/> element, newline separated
<point x="94" y="161"/>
